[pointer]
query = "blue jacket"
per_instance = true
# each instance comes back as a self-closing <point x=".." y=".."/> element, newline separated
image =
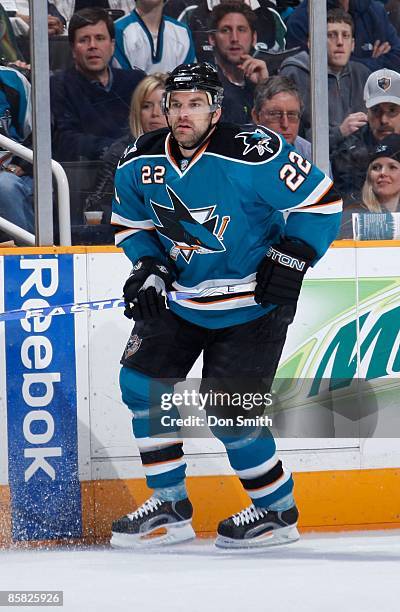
<point x="371" y="23"/>
<point x="88" y="118"/>
<point x="15" y="104"/>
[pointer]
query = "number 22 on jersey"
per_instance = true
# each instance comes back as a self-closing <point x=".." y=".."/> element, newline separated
<point x="289" y="173"/>
<point x="153" y="175"/>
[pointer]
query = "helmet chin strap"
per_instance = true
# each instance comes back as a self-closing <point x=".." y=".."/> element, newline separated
<point x="202" y="138"/>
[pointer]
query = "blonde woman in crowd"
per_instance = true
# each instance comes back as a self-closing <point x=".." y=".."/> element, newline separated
<point x="381" y="189"/>
<point x="146" y="113"/>
<point x="145" y="116"/>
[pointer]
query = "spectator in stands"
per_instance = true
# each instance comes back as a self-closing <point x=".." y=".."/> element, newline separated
<point x="21" y="21"/>
<point x="271" y="30"/>
<point x="9" y="51"/>
<point x="346" y="80"/>
<point x="179" y="9"/>
<point x="350" y="159"/>
<point x="145" y="115"/>
<point x="278" y="106"/>
<point x="233" y="37"/>
<point x="90" y="102"/>
<point x="377" y="43"/>
<point x="68" y="7"/>
<point x="151" y="41"/>
<point x="16" y="182"/>
<point x="381" y="190"/>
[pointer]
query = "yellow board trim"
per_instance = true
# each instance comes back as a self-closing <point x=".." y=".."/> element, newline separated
<point x="5" y="516"/>
<point x="364" y="244"/>
<point x="56" y="250"/>
<point x="328" y="501"/>
<point x="82" y="249"/>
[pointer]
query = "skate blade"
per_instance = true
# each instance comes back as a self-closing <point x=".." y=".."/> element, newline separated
<point x="285" y="535"/>
<point x="173" y="534"/>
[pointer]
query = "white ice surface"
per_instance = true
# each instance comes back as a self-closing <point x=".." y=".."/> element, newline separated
<point x="358" y="572"/>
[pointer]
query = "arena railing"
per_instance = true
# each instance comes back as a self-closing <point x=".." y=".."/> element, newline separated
<point x="58" y="172"/>
<point x="319" y="90"/>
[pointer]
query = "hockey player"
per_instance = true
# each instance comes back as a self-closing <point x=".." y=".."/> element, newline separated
<point x="200" y="207"/>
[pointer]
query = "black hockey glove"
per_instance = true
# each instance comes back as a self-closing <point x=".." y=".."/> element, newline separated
<point x="281" y="272"/>
<point x="144" y="291"/>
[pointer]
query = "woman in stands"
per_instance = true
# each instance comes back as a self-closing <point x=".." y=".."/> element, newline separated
<point x="381" y="190"/>
<point x="145" y="116"/>
<point x="146" y="113"/>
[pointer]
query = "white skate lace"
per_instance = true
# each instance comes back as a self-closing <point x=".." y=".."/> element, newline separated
<point x="248" y="515"/>
<point x="148" y="506"/>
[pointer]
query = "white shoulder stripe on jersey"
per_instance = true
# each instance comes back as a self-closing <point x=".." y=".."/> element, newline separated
<point x="324" y="209"/>
<point x="119" y="220"/>
<point x="315" y="195"/>
<point x="243" y="161"/>
<point x="122" y="163"/>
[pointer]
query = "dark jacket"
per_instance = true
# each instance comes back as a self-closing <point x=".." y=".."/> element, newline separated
<point x="101" y="198"/>
<point x="345" y="92"/>
<point x="238" y="100"/>
<point x="350" y="160"/>
<point x="371" y="23"/>
<point x="87" y="118"/>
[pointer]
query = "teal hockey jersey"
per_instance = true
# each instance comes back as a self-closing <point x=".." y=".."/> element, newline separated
<point x="214" y="217"/>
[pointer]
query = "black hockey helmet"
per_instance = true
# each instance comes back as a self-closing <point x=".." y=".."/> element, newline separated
<point x="193" y="77"/>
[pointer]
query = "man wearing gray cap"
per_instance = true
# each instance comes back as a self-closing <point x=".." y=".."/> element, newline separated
<point x="350" y="159"/>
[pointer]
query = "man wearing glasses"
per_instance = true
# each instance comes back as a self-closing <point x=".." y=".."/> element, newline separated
<point x="278" y="106"/>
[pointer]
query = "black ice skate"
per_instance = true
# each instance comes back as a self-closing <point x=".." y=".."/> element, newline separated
<point x="154" y="523"/>
<point x="258" y="527"/>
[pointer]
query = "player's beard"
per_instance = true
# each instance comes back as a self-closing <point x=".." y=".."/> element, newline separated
<point x="190" y="137"/>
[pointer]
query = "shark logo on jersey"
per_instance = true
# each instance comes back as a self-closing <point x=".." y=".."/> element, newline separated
<point x="190" y="231"/>
<point x="257" y="139"/>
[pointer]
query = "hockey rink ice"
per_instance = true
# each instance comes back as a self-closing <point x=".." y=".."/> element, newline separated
<point x="346" y="572"/>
